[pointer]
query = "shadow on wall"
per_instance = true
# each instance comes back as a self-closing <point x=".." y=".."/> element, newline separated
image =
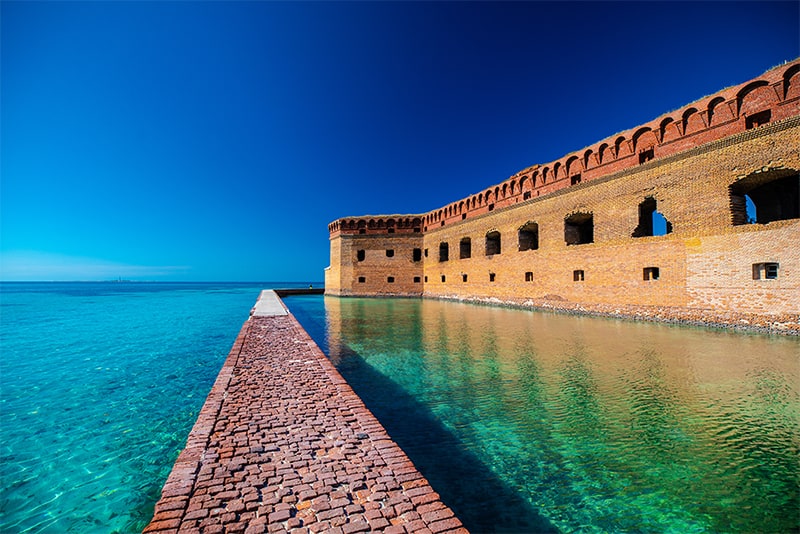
<point x="480" y="500"/>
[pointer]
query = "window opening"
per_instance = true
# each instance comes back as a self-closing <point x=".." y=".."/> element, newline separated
<point x="465" y="248"/>
<point x="577" y="275"/>
<point x="529" y="236"/>
<point x="526" y="195"/>
<point x="463" y="216"/>
<point x="492" y="243"/>
<point x="579" y="229"/>
<point x="651" y="222"/>
<point x="390" y="230"/>
<point x="772" y="196"/>
<point x="360" y="255"/>
<point x="361" y="279"/>
<point x="529" y="276"/>
<point x="390" y="279"/>
<point x="426" y="252"/>
<point x="765" y="271"/>
<point x="426" y="279"/>
<point x="575" y="179"/>
<point x="416" y="279"/>
<point x="389" y="252"/>
<point x="491" y="207"/>
<point x="651" y="273"/>
<point x="416" y="255"/>
<point x="646" y="155"/>
<point x="444" y="252"/>
<point x="463" y="277"/>
<point x="444" y="278"/>
<point x="362" y="231"/>
<point x="757" y="119"/>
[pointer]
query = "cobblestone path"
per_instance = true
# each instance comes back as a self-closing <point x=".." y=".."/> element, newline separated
<point x="284" y="444"/>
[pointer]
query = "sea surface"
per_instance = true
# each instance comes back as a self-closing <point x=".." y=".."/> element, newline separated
<point x="523" y="421"/>
<point x="100" y="384"/>
<point x="536" y="422"/>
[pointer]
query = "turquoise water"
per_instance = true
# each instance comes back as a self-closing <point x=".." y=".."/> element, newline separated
<point x="533" y="422"/>
<point x="100" y="384"/>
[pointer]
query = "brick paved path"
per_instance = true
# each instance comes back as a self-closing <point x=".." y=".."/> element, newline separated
<point x="284" y="444"/>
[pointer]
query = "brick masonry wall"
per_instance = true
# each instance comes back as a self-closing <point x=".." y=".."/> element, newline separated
<point x="705" y="263"/>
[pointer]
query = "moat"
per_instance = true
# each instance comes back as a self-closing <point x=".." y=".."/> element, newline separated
<point x="532" y="421"/>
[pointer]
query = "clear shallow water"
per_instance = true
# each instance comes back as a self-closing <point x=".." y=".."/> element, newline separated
<point x="100" y="384"/>
<point x="529" y="422"/>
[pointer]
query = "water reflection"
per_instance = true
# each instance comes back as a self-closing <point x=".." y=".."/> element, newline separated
<point x="529" y="421"/>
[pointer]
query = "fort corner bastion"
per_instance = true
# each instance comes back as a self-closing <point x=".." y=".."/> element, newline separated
<point x="651" y="222"/>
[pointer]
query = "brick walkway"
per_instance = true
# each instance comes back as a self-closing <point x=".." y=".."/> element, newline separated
<point x="284" y="444"/>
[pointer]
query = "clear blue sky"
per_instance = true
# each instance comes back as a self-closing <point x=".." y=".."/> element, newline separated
<point x="217" y="140"/>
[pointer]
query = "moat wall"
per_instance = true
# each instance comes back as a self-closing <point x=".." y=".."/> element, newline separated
<point x="586" y="235"/>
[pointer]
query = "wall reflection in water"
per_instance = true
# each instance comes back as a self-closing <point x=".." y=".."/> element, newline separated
<point x="529" y="421"/>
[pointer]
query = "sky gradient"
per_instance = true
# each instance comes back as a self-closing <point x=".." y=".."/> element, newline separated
<point x="217" y="140"/>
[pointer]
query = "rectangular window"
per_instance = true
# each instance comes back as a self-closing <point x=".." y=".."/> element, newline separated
<point x="426" y="252"/>
<point x="426" y="279"/>
<point x="390" y="279"/>
<point x="526" y="195"/>
<point x="463" y="277"/>
<point x="575" y="180"/>
<point x="390" y="230"/>
<point x="360" y="255"/>
<point x="361" y="279"/>
<point x="651" y="273"/>
<point x="757" y="119"/>
<point x="416" y="230"/>
<point x="646" y="155"/>
<point x="491" y="277"/>
<point x="577" y="275"/>
<point x="463" y="216"/>
<point x="491" y="207"/>
<point x="416" y="279"/>
<point x="765" y="271"/>
<point x="362" y="231"/>
<point x="444" y="278"/>
<point x="417" y="255"/>
<point x="529" y="276"/>
<point x="389" y="252"/>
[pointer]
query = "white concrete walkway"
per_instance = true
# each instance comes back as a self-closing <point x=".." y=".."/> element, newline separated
<point x="268" y="305"/>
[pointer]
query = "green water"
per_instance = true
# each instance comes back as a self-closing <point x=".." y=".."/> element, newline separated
<point x="528" y="421"/>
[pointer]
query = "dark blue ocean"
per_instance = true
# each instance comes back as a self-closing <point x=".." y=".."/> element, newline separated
<point x="100" y="384"/>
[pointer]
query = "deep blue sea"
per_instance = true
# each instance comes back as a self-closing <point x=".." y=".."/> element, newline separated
<point x="100" y="384"/>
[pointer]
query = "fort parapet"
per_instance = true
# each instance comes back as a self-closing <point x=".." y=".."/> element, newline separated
<point x="697" y="209"/>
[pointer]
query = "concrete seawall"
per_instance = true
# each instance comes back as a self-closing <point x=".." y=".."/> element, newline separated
<point x="284" y="444"/>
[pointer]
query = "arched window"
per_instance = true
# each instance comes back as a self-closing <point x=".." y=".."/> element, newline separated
<point x="493" y="243"/>
<point x="529" y="236"/>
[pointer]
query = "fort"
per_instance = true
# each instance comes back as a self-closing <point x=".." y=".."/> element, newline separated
<point x="693" y="217"/>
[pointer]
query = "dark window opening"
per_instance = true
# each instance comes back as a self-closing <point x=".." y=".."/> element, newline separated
<point x="765" y="271"/>
<point x="389" y="252"/>
<point x="651" y="273"/>
<point x="463" y="216"/>
<point x="361" y="279"/>
<point x="416" y="255"/>
<point x="757" y="119"/>
<point x="442" y="223"/>
<point x="416" y="230"/>
<point x="390" y="279"/>
<point x="416" y="279"/>
<point x="529" y="276"/>
<point x="360" y="255"/>
<point x="492" y="243"/>
<point x="362" y="231"/>
<point x="426" y="279"/>
<point x="575" y="180"/>
<point x="529" y="236"/>
<point x="444" y="278"/>
<point x="579" y="229"/>
<point x="491" y="207"/>
<point x="491" y="277"/>
<point x="646" y="155"/>
<point x="390" y="230"/>
<point x="771" y="198"/>
<point x="651" y="222"/>
<point x="463" y="277"/>
<point x="526" y="195"/>
<point x="465" y="248"/>
<point x="577" y="275"/>
<point x="444" y="252"/>
<point x="426" y="252"/>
